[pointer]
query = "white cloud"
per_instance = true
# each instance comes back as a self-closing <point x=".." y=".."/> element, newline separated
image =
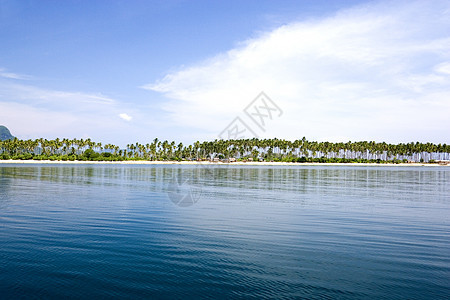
<point x="9" y="75"/>
<point x="443" y="68"/>
<point x="56" y="98"/>
<point x="377" y="71"/>
<point x="125" y="117"/>
<point x="33" y="112"/>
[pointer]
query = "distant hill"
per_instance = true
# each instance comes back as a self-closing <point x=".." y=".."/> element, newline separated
<point x="5" y="134"/>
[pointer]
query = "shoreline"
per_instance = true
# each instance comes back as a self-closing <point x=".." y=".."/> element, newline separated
<point x="143" y="162"/>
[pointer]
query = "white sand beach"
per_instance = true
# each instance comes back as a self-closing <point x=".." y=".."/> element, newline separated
<point x="143" y="162"/>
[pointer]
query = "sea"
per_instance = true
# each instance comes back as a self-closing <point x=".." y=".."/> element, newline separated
<point x="81" y="231"/>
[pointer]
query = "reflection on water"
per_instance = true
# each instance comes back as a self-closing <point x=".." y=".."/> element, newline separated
<point x="323" y="180"/>
<point x="256" y="231"/>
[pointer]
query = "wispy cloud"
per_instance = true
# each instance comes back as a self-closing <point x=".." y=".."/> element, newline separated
<point x="31" y="112"/>
<point x="443" y="68"/>
<point x="378" y="71"/>
<point x="54" y="99"/>
<point x="9" y="75"/>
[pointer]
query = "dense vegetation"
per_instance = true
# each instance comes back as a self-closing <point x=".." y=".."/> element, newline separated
<point x="249" y="149"/>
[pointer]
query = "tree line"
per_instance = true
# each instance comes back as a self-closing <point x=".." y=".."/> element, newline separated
<point x="245" y="149"/>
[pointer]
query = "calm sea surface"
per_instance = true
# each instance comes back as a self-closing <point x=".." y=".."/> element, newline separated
<point x="168" y="231"/>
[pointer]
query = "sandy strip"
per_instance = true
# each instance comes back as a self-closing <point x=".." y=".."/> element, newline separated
<point x="143" y="162"/>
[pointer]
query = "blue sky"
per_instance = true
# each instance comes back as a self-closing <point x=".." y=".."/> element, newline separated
<point x="127" y="71"/>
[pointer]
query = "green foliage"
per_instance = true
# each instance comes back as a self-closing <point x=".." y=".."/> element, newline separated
<point x="23" y="156"/>
<point x="301" y="159"/>
<point x="299" y="151"/>
<point x="90" y="154"/>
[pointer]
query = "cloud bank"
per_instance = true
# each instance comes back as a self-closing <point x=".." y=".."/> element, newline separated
<point x="375" y="72"/>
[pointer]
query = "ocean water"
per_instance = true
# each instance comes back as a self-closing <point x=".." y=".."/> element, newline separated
<point x="170" y="231"/>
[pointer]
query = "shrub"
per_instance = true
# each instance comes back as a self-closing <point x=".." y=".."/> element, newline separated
<point x="90" y="154"/>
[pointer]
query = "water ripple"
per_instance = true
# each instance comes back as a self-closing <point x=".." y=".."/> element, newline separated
<point x="257" y="232"/>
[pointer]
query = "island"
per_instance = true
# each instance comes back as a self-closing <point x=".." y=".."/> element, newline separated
<point x="248" y="151"/>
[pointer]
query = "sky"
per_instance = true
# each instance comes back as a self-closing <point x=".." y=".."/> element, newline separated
<point x="130" y="71"/>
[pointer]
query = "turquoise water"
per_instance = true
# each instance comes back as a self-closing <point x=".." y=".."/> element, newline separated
<point x="321" y="232"/>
